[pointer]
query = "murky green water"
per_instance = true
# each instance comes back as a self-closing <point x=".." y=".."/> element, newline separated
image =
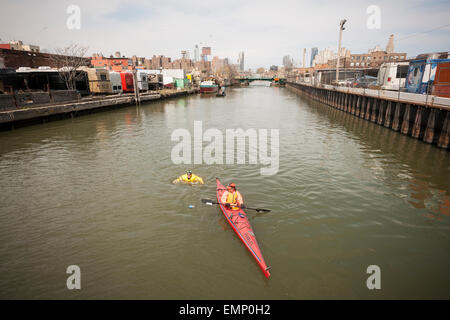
<point x="95" y="191"/>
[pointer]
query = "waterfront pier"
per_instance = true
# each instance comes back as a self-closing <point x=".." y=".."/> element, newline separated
<point x="35" y="113"/>
<point x="423" y="117"/>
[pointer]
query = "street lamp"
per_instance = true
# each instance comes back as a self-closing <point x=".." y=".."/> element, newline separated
<point x="341" y="28"/>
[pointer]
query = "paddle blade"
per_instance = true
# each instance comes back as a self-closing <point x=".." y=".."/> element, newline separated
<point x="207" y="202"/>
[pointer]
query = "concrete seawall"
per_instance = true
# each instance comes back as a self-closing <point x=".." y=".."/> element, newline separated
<point x="427" y="120"/>
<point x="46" y="112"/>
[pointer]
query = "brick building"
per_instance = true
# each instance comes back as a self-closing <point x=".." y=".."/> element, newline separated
<point x="112" y="63"/>
<point x="367" y="60"/>
<point x="373" y="59"/>
<point x="183" y="63"/>
<point x="158" y="62"/>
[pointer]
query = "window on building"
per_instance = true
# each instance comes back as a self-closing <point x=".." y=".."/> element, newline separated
<point x="103" y="77"/>
<point x="402" y="71"/>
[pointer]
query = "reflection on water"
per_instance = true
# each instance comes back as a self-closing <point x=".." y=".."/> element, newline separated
<point x="413" y="161"/>
<point x="95" y="191"/>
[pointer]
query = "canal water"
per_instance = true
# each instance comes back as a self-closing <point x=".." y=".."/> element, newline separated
<point x="95" y="191"/>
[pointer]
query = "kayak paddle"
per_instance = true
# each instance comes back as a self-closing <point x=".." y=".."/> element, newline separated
<point x="211" y="202"/>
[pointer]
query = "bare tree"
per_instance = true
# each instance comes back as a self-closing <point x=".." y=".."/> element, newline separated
<point x="68" y="60"/>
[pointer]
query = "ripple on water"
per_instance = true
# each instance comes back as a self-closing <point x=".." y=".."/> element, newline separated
<point x="96" y="191"/>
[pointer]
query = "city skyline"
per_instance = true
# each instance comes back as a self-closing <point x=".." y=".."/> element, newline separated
<point x="144" y="29"/>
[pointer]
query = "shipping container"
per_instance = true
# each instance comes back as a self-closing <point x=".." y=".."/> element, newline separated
<point x="179" y="83"/>
<point x="441" y="86"/>
<point x="142" y="80"/>
<point x="127" y="81"/>
<point x="421" y="73"/>
<point x="116" y="82"/>
<point x="392" y="75"/>
<point x="99" y="80"/>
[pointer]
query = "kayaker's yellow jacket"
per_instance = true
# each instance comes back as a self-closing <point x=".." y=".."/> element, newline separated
<point x="233" y="199"/>
<point x="184" y="178"/>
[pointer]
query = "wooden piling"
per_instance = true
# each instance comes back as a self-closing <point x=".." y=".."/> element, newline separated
<point x="443" y="141"/>
<point x="430" y="124"/>
<point x="353" y="110"/>
<point x="367" y="117"/>
<point x="387" y="117"/>
<point x="417" y="127"/>
<point x="407" y="119"/>
<point x="375" y="108"/>
<point x="429" y="135"/>
<point x="381" y="112"/>
<point x="362" y="111"/>
<point x="358" y="106"/>
<point x="396" y="122"/>
<point x="352" y="103"/>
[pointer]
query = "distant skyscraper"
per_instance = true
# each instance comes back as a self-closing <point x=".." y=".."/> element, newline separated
<point x="390" y="45"/>
<point x="314" y="52"/>
<point x="304" y="57"/>
<point x="287" y="62"/>
<point x="206" y="53"/>
<point x="196" y="53"/>
<point x="241" y="61"/>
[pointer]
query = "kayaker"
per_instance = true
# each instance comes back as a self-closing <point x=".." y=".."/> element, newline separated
<point x="232" y="198"/>
<point x="189" y="177"/>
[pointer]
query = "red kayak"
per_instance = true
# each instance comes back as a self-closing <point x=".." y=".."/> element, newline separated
<point x="240" y="224"/>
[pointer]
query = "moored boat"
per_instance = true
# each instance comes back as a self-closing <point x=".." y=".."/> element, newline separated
<point x="208" y="87"/>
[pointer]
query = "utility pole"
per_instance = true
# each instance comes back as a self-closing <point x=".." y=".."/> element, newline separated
<point x="304" y="64"/>
<point x="137" y="97"/>
<point x="341" y="28"/>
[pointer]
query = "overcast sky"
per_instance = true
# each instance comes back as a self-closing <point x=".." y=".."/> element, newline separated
<point x="264" y="30"/>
